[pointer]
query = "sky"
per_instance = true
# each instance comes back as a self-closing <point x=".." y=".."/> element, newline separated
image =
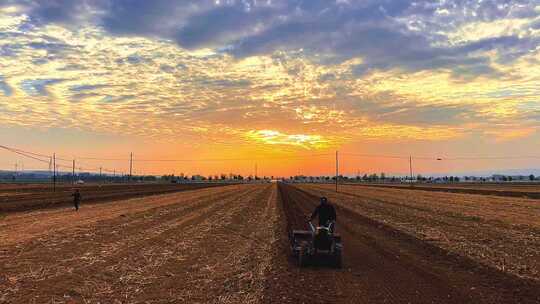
<point x="279" y="85"/>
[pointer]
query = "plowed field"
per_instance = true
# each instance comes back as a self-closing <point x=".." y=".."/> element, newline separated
<point x="230" y="245"/>
<point x="39" y="196"/>
<point x="523" y="190"/>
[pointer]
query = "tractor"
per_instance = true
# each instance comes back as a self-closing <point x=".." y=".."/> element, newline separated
<point x="317" y="243"/>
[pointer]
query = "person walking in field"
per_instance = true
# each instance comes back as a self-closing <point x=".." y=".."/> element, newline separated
<point x="76" y="199"/>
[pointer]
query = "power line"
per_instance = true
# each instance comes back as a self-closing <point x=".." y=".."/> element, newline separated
<point x="31" y="155"/>
<point x="25" y="154"/>
<point x="443" y="158"/>
<point x="176" y="160"/>
<point x="47" y="158"/>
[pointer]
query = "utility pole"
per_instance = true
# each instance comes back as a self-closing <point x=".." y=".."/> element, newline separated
<point x="54" y="172"/>
<point x="130" y="165"/>
<point x="256" y="170"/>
<point x="73" y="173"/>
<point x="410" y="168"/>
<point x="337" y="170"/>
<point x="16" y="169"/>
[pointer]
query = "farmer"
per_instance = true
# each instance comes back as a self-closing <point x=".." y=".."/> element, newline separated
<point x="76" y="199"/>
<point x="326" y="212"/>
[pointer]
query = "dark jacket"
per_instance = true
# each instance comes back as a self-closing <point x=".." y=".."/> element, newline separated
<point x="76" y="197"/>
<point x="326" y="213"/>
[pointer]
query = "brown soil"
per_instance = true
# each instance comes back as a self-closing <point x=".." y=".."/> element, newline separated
<point x="230" y="245"/>
<point x="524" y="190"/>
<point x="500" y="232"/>
<point x="208" y="245"/>
<point x="383" y="265"/>
<point x="15" y="198"/>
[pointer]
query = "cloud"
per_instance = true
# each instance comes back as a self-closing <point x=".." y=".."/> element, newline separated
<point x="5" y="88"/>
<point x="373" y="69"/>
<point x="511" y="133"/>
<point x="88" y="87"/>
<point x="147" y="18"/>
<point x="117" y="99"/>
<point x="337" y="30"/>
<point x="57" y="11"/>
<point x="273" y="137"/>
<point x="38" y="87"/>
<point x="219" y="26"/>
<point x="223" y="82"/>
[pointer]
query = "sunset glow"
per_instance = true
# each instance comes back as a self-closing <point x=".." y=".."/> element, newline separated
<point x="245" y="79"/>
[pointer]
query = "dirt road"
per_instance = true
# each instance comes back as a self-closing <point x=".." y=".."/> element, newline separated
<point x="382" y="265"/>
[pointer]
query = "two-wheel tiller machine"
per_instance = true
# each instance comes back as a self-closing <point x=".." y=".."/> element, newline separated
<point x="319" y="243"/>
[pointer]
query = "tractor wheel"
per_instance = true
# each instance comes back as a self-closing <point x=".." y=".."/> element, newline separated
<point x="302" y="258"/>
<point x="338" y="260"/>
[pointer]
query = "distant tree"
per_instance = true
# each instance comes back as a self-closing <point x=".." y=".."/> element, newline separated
<point x="456" y="179"/>
<point x="531" y="177"/>
<point x="504" y="178"/>
<point x="383" y="176"/>
<point x="509" y="178"/>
